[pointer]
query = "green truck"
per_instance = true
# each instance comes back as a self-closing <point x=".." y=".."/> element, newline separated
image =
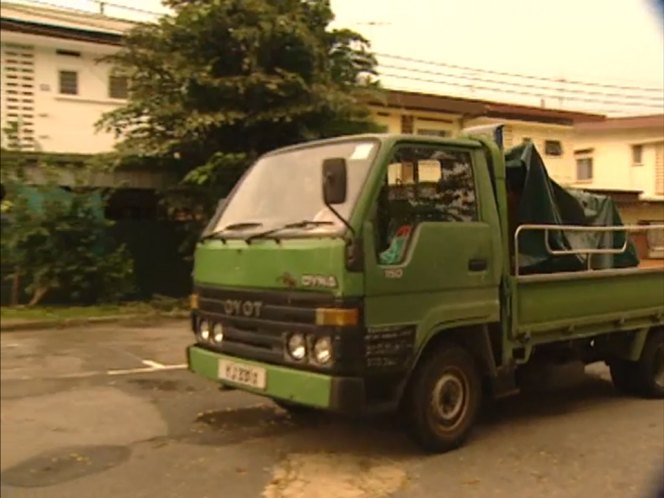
<point x="417" y="274"/>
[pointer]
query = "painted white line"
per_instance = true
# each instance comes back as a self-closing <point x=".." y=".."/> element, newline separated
<point x="152" y="364"/>
<point x="85" y="375"/>
<point x="146" y="369"/>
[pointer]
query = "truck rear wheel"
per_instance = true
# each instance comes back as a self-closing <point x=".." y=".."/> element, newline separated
<point x="444" y="399"/>
<point x="644" y="377"/>
<point x="650" y="368"/>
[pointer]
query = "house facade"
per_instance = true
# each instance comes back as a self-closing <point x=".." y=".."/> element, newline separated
<point x="622" y="154"/>
<point x="54" y="85"/>
<point x="625" y="158"/>
<point x="550" y="130"/>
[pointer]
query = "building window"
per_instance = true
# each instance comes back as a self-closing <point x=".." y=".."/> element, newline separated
<point x="407" y="124"/>
<point x="69" y="82"/>
<point x="637" y="155"/>
<point x="584" y="169"/>
<point x="553" y="148"/>
<point x="433" y="133"/>
<point x="117" y="86"/>
<point x="68" y="53"/>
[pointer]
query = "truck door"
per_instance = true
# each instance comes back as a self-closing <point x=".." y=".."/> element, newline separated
<point x="431" y="254"/>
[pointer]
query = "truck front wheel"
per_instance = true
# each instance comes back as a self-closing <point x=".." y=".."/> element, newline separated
<point x="444" y="399"/>
<point x="623" y="376"/>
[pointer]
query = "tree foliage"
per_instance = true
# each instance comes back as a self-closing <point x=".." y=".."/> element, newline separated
<point x="222" y="81"/>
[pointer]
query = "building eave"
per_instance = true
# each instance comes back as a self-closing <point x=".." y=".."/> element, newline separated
<point x="60" y="32"/>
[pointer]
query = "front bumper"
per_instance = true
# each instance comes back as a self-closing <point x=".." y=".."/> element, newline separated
<point x="339" y="394"/>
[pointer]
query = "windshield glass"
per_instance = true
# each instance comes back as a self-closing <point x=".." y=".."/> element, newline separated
<point x="286" y="188"/>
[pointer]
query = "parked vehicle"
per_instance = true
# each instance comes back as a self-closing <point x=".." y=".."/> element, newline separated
<point x="385" y="272"/>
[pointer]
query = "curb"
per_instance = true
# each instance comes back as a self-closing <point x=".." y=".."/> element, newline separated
<point x="58" y="323"/>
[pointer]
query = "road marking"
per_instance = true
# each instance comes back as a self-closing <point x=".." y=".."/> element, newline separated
<point x="126" y="371"/>
<point x="153" y="368"/>
<point x="152" y="364"/>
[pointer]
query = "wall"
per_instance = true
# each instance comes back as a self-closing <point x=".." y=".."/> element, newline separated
<point x="391" y="118"/>
<point x="612" y="160"/>
<point x="60" y="123"/>
<point x="634" y="213"/>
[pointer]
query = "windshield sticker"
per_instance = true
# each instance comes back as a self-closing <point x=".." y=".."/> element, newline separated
<point x="362" y="151"/>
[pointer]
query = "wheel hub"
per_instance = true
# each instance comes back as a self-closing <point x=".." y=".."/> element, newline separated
<point x="449" y="398"/>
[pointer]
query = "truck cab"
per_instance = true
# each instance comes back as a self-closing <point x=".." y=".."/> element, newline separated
<point x="377" y="272"/>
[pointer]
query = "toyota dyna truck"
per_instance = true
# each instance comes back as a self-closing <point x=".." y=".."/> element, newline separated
<point x="417" y="274"/>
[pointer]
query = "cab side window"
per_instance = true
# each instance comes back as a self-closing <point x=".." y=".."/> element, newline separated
<point x="423" y="184"/>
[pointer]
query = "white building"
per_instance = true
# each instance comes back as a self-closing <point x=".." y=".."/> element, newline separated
<point x="54" y="88"/>
<point x="622" y="154"/>
<point x="550" y="130"/>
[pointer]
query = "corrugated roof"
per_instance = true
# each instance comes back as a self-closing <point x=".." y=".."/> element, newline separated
<point x="477" y="108"/>
<point x="652" y="121"/>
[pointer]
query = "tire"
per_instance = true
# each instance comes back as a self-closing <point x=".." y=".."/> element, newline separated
<point x="623" y="376"/>
<point x="444" y="399"/>
<point x="644" y="377"/>
<point x="650" y="368"/>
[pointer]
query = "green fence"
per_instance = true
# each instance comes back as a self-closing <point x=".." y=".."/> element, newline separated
<point x="159" y="266"/>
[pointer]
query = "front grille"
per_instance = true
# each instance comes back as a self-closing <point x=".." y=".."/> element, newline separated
<point x="257" y="323"/>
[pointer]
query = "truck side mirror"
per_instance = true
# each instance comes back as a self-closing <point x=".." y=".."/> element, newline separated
<point x="335" y="180"/>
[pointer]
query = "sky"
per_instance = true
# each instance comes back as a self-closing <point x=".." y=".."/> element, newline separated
<point x="616" y="45"/>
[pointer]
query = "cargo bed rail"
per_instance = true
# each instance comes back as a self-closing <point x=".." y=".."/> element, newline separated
<point x="588" y="251"/>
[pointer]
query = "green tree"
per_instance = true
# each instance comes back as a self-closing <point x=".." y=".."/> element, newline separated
<point x="222" y="81"/>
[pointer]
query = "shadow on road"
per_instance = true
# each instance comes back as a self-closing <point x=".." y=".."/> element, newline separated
<point x="385" y="435"/>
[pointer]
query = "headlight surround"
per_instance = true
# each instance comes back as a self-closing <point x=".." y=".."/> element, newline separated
<point x="297" y="346"/>
<point x="322" y="350"/>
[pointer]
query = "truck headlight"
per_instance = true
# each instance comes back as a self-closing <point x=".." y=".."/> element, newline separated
<point x="297" y="347"/>
<point x="323" y="350"/>
<point x="204" y="330"/>
<point x="217" y="333"/>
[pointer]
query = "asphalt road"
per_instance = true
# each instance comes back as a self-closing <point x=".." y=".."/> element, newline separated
<point x="111" y="412"/>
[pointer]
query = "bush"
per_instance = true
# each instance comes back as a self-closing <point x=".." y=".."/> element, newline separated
<point x="56" y="239"/>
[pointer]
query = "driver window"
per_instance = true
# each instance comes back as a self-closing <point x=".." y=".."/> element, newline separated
<point x="422" y="184"/>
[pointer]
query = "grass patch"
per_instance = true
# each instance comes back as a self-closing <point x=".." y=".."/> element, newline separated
<point x="163" y="306"/>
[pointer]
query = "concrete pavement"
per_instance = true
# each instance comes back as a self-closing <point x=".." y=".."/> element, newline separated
<point x="110" y="411"/>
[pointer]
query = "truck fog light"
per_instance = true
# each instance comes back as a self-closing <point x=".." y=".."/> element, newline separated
<point x="297" y="346"/>
<point x="217" y="333"/>
<point x="323" y="350"/>
<point x="204" y="330"/>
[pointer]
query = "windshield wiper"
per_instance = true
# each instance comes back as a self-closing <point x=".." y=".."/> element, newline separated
<point x="234" y="226"/>
<point x="297" y="224"/>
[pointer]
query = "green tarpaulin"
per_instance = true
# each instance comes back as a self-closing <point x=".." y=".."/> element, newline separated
<point x="537" y="199"/>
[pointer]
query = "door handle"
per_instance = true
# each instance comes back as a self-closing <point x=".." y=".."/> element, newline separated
<point x="477" y="264"/>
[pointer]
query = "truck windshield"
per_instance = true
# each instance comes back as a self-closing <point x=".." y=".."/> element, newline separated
<point x="286" y="189"/>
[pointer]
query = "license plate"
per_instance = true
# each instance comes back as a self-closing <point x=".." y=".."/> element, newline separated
<point x="239" y="373"/>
